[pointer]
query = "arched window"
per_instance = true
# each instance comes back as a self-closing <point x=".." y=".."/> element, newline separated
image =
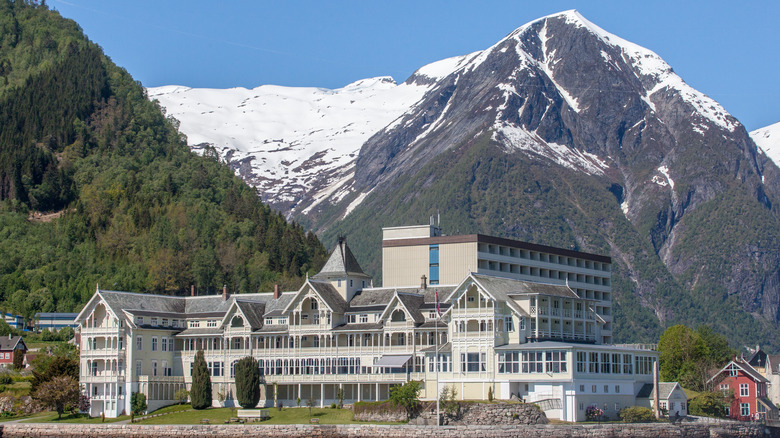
<point x="398" y="316"/>
<point x="237" y="321"/>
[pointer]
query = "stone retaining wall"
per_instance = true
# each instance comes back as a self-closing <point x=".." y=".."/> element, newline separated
<point x="661" y="430"/>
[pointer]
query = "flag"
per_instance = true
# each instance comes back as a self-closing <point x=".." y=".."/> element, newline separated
<point x="438" y="304"/>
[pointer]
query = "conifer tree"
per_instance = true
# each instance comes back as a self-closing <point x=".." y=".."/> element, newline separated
<point x="200" y="393"/>
<point x="247" y="382"/>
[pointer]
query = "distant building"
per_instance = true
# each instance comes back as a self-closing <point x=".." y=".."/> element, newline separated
<point x="749" y="387"/>
<point x="671" y="398"/>
<point x="769" y="367"/>
<point x="55" y="321"/>
<point x="500" y="317"/>
<point x="8" y="345"/>
<point x="15" y="321"/>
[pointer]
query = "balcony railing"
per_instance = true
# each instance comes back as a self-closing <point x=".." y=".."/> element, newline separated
<point x="344" y="378"/>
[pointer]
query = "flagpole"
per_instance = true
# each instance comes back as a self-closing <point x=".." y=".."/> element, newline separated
<point x="436" y="358"/>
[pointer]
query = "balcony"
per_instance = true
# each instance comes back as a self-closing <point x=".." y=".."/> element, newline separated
<point x="344" y="378"/>
<point x="161" y="379"/>
<point x="112" y="353"/>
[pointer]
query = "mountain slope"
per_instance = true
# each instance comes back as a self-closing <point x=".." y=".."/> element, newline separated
<point x="768" y="140"/>
<point x="128" y="205"/>
<point x="564" y="134"/>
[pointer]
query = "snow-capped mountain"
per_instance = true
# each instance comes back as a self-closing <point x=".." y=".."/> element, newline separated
<point x="768" y="140"/>
<point x="292" y="142"/>
<point x="560" y="133"/>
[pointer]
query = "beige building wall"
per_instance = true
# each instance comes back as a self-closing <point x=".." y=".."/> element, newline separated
<point x="403" y="266"/>
<point x="456" y="261"/>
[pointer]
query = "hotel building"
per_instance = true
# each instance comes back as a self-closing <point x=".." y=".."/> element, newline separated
<point x="474" y="313"/>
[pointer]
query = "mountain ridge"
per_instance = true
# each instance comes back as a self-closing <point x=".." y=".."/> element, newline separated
<point x="609" y="150"/>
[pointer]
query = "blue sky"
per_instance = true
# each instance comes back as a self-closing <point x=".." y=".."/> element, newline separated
<point x="727" y="49"/>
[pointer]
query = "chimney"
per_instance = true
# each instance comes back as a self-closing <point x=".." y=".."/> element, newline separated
<point x="9" y="336"/>
<point x="423" y="282"/>
<point x="225" y="295"/>
<point x="192" y="290"/>
<point x="277" y="294"/>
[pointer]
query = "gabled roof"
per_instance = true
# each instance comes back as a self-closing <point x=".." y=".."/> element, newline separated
<point x="341" y="263"/>
<point x="252" y="311"/>
<point x="745" y="367"/>
<point x="503" y="288"/>
<point x="10" y="342"/>
<point x="665" y="389"/>
<point x="329" y="295"/>
<point x="410" y="303"/>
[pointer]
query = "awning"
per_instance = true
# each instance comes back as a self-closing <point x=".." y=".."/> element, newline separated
<point x="393" y="360"/>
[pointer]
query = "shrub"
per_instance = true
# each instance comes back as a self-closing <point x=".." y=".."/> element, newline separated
<point x="18" y="360"/>
<point x="490" y="394"/>
<point x="5" y="379"/>
<point x="593" y="413"/>
<point x="200" y="392"/>
<point x="636" y="414"/>
<point x="333" y="405"/>
<point x="708" y="404"/>
<point x="247" y="382"/>
<point x="138" y="403"/>
<point x="406" y="396"/>
<point x="181" y="396"/>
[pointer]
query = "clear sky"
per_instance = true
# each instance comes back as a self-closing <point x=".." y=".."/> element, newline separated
<point x="728" y="49"/>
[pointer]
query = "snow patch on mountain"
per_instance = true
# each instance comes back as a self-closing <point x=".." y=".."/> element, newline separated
<point x="519" y="139"/>
<point x="768" y="140"/>
<point x="289" y="141"/>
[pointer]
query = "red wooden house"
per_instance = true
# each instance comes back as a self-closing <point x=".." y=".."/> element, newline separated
<point x="750" y="401"/>
<point x="8" y="344"/>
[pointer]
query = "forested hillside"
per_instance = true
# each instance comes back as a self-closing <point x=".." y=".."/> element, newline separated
<point x="98" y="186"/>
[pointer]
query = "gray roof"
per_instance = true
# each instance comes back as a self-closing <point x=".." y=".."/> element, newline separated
<point x="412" y="302"/>
<point x="200" y="331"/>
<point x="567" y="345"/>
<point x="9" y="342"/>
<point x="275" y="307"/>
<point x="503" y="288"/>
<point x="444" y="348"/>
<point x="664" y="390"/>
<point x="359" y="326"/>
<point x="341" y="263"/>
<point x="330" y="295"/>
<point x="120" y="301"/>
<point x="253" y="311"/>
<point x="269" y="328"/>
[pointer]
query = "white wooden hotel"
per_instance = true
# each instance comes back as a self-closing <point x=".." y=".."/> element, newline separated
<point x="512" y="318"/>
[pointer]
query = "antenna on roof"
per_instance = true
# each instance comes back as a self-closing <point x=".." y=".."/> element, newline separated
<point x="431" y="219"/>
<point x="438" y="217"/>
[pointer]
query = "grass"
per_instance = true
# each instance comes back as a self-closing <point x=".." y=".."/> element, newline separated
<point x="285" y="416"/>
<point x="16" y="389"/>
<point x="51" y="417"/>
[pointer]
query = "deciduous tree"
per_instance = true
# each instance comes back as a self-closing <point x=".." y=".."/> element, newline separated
<point x="60" y="394"/>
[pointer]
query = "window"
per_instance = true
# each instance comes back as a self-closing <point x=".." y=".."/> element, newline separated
<point x="555" y="361"/>
<point x="627" y="362"/>
<point x="119" y="388"/>
<point x="314" y="304"/>
<point x="732" y="370"/>
<point x="593" y="389"/>
<point x="175" y="323"/>
<point x="472" y="362"/>
<point x="139" y="343"/>
<point x="211" y="323"/>
<point x="94" y="369"/>
<point x="364" y="318"/>
<point x="350" y="282"/>
<point x="138" y="367"/>
<point x="165" y="322"/>
<point x="509" y="325"/>
<point x="121" y="342"/>
<point x="154" y="368"/>
<point x="593" y="364"/>
<point x="744" y="390"/>
<point x="167" y="371"/>
<point x="194" y="324"/>
<point x="154" y="321"/>
<point x="582" y="361"/>
<point x="724" y="388"/>
<point x="606" y="389"/>
<point x="727" y="409"/>
<point x="509" y="362"/>
<point x="269" y="321"/>
<point x="140" y="320"/>
<point x="617" y="389"/>
<point x="744" y="409"/>
<point x="215" y="369"/>
<point x="532" y="361"/>
<point x="154" y="343"/>
<point x="164" y="344"/>
<point x="617" y="407"/>
<point x="616" y="364"/>
<point x="605" y="363"/>
<point x="522" y="323"/>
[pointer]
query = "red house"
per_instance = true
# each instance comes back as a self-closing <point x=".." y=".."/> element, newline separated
<point x="7" y="347"/>
<point x="749" y="388"/>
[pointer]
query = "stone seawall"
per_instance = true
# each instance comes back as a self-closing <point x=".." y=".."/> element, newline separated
<point x="664" y="430"/>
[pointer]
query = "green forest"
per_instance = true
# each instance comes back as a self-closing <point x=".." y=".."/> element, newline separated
<point x="97" y="185"/>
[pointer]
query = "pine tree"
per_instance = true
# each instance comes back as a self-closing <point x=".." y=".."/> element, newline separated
<point x="200" y="393"/>
<point x="247" y="382"/>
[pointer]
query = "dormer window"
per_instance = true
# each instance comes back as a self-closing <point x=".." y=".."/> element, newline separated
<point x="175" y="323"/>
<point x="140" y="320"/>
<point x="194" y="324"/>
<point x="269" y="321"/>
<point x="364" y="318"/>
<point x="165" y="322"/>
<point x="154" y="321"/>
<point x="211" y="323"/>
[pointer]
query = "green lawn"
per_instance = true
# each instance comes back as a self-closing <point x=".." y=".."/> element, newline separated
<point x="51" y="417"/>
<point x="285" y="416"/>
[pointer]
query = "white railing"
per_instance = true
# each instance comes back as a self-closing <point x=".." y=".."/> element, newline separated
<point x="343" y="378"/>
